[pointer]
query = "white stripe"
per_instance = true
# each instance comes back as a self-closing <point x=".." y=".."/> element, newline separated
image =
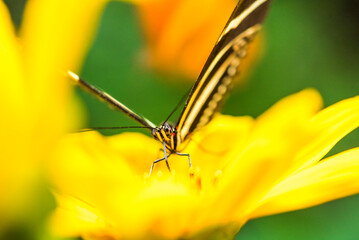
<point x="196" y="107"/>
<point x="205" y="95"/>
<point x="235" y="22"/>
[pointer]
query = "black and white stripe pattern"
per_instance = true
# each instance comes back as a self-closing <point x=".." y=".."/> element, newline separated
<point x="221" y="67"/>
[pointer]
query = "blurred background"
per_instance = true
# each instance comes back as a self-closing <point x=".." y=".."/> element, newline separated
<point x="305" y="44"/>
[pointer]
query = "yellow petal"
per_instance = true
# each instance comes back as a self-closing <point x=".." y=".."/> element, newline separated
<point x="328" y="127"/>
<point x="144" y="212"/>
<point x="110" y="172"/>
<point x="288" y="112"/>
<point x="269" y="149"/>
<point x="12" y="91"/>
<point x="138" y="149"/>
<point x="116" y="187"/>
<point x="55" y="36"/>
<point x="217" y="141"/>
<point x="90" y="164"/>
<point x="273" y="135"/>
<point x="330" y="179"/>
<point x="11" y="74"/>
<point x="74" y="217"/>
<point x="17" y="170"/>
<point x="52" y="45"/>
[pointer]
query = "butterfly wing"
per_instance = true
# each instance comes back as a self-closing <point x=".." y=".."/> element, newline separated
<point x="221" y="66"/>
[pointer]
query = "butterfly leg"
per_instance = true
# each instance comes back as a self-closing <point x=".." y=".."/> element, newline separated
<point x="185" y="154"/>
<point x="165" y="151"/>
<point x="154" y="162"/>
<point x="161" y="159"/>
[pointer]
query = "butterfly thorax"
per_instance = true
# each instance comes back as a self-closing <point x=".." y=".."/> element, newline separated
<point x="168" y="134"/>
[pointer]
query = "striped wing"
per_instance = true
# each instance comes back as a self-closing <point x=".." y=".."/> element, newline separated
<point x="221" y="67"/>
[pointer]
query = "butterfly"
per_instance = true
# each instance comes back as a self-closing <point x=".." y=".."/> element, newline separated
<point x="213" y="83"/>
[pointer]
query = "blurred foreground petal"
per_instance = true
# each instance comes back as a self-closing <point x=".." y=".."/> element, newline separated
<point x="35" y="94"/>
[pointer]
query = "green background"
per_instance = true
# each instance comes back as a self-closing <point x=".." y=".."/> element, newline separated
<point x="308" y="44"/>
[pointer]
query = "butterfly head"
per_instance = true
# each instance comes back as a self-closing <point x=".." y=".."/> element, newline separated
<point x="166" y="133"/>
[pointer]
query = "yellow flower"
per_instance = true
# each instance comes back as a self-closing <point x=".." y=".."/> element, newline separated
<point x="35" y="93"/>
<point x="179" y="37"/>
<point x="242" y="168"/>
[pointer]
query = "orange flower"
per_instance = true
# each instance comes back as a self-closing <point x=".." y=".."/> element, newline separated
<point x="180" y="34"/>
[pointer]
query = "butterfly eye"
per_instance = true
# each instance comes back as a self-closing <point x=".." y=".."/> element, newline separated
<point x="167" y="128"/>
<point x="154" y="133"/>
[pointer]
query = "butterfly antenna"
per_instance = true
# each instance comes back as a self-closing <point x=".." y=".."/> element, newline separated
<point x="184" y="97"/>
<point x="107" y="128"/>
